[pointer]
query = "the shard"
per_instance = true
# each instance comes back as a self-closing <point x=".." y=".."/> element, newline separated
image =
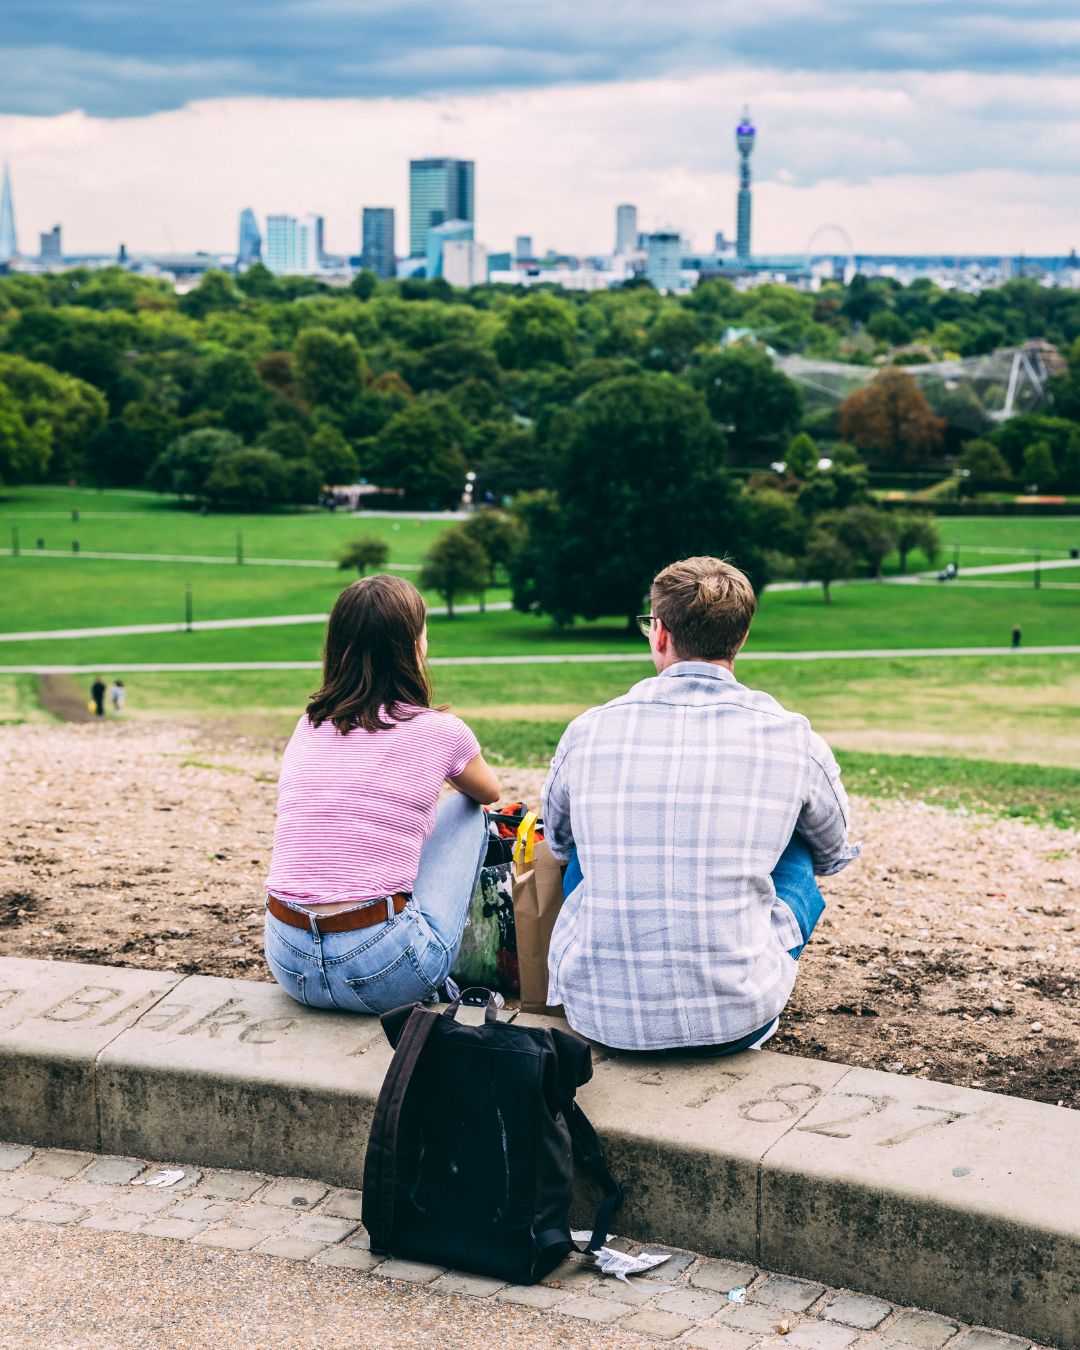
<point x="8" y="245"/>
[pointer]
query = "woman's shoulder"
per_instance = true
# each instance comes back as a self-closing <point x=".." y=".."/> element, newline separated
<point x="435" y="722"/>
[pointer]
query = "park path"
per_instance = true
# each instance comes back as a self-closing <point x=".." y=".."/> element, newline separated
<point x="570" y="658"/>
<point x="210" y="625"/>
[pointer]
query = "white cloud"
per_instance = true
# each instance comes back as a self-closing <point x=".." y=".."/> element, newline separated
<point x="912" y="162"/>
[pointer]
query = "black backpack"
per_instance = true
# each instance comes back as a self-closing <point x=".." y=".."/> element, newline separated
<point x="470" y="1160"/>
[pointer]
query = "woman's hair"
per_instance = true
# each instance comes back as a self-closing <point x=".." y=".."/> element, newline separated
<point x="372" y="667"/>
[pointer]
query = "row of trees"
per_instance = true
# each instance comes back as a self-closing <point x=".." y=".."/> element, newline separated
<point x="412" y="384"/>
<point x="640" y="483"/>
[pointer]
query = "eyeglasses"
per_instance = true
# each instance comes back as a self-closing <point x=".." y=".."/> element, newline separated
<point x="645" y="623"/>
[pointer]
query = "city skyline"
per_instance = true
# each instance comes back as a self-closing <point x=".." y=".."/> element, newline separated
<point x="915" y="131"/>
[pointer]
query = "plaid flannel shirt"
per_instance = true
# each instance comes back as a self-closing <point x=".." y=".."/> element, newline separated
<point x="680" y="797"/>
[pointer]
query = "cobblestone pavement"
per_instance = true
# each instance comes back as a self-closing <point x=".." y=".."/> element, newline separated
<point x="107" y="1228"/>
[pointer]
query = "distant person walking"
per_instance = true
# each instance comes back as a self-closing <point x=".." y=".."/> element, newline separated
<point x="371" y="874"/>
<point x="117" y="694"/>
<point x="97" y="693"/>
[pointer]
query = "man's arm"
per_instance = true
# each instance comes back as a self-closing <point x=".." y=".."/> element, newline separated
<point x="824" y="820"/>
<point x="555" y="804"/>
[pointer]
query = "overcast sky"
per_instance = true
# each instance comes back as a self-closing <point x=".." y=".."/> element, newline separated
<point x="915" y="125"/>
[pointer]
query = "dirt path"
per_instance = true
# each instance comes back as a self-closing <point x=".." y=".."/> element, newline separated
<point x="951" y="951"/>
<point x="61" y="696"/>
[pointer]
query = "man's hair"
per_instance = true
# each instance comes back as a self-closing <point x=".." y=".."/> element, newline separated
<point x="706" y="605"/>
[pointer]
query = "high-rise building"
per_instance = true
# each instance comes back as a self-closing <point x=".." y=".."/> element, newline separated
<point x="439" y="190"/>
<point x="320" y="239"/>
<point x="9" y="245"/>
<point x="464" y="262"/>
<point x="377" y="251"/>
<point x="249" y="248"/>
<point x="292" y="244"/>
<point x="523" y="247"/>
<point x="51" y="251"/>
<point x="625" y="229"/>
<point x="663" y="259"/>
<point x="438" y="237"/>
<point x="720" y="242"/>
<point x="745" y="136"/>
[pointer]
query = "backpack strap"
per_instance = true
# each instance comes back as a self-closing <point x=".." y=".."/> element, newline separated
<point x="589" y="1156"/>
<point x="380" y="1164"/>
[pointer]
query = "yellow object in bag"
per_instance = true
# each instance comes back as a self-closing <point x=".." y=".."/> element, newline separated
<point x="526" y="839"/>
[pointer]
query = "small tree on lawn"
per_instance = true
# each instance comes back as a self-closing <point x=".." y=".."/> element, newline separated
<point x="1038" y="471"/>
<point x="827" y="560"/>
<point x="802" y="456"/>
<point x="916" y="532"/>
<point x="499" y="535"/>
<point x="367" y="551"/>
<point x="455" y="565"/>
<point x="867" y="532"/>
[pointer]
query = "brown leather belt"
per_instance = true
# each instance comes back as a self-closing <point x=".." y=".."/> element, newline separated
<point x="345" y="920"/>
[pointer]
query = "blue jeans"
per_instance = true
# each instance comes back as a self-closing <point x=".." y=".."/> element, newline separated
<point x="794" y="882"/>
<point x="404" y="959"/>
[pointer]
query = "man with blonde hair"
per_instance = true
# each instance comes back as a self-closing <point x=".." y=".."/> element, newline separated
<point x="693" y="813"/>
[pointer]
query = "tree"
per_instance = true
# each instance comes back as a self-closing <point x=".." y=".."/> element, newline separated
<point x="334" y="456"/>
<point x="1038" y="470"/>
<point x="367" y="551"/>
<point x="364" y="284"/>
<point x="826" y="560"/>
<point x="536" y="331"/>
<point x="498" y="534"/>
<point x="983" y="466"/>
<point x="455" y="565"/>
<point x="868" y="532"/>
<point x="777" y="521"/>
<point x="446" y="364"/>
<point x="638" y="485"/>
<point x="891" y="417"/>
<point x="216" y="290"/>
<point x="68" y="410"/>
<point x="916" y="532"/>
<point x="756" y="404"/>
<point x="186" y="465"/>
<point x="418" y="450"/>
<point x="802" y="456"/>
<point x="670" y="342"/>
<point x="24" y="450"/>
<point x="329" y="368"/>
<point x="248" y="477"/>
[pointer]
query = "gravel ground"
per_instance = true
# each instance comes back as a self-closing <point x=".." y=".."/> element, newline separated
<point x="951" y="950"/>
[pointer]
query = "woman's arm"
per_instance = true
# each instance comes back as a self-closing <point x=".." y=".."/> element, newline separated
<point x="477" y="781"/>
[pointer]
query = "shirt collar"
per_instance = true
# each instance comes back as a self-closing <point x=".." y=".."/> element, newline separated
<point x="704" y="669"/>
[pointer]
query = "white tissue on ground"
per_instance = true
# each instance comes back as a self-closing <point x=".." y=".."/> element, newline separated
<point x="166" y="1177"/>
<point x="622" y="1264"/>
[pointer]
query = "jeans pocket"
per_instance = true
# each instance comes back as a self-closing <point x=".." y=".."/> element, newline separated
<point x="403" y="981"/>
<point x="292" y="981"/>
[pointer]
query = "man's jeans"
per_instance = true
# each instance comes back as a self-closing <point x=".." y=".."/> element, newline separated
<point x="405" y="959"/>
<point x="795" y="884"/>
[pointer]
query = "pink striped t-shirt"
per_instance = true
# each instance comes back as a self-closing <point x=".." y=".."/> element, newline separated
<point x="354" y="810"/>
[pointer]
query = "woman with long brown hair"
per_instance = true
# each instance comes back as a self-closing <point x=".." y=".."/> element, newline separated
<point x="371" y="875"/>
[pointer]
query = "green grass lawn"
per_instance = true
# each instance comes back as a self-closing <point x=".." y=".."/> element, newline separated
<point x="60" y="594"/>
<point x="114" y="522"/>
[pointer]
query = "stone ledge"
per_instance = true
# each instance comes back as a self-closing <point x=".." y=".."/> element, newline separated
<point x="962" y="1201"/>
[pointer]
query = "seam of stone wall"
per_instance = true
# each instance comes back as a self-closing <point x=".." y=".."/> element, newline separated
<point x="760" y="1175"/>
<point x="111" y="1042"/>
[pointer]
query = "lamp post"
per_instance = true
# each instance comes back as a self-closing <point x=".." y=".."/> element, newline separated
<point x="1038" y="570"/>
<point x="239" y="547"/>
<point x="187" y="606"/>
<point x="14" y="541"/>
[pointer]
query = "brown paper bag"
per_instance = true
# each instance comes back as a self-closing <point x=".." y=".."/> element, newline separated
<point x="538" y="898"/>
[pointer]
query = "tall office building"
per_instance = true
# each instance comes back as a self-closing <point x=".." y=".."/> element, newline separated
<point x="744" y="142"/>
<point x="377" y="251"/>
<point x="625" y="229"/>
<point x="523" y="247"/>
<point x="438" y="237"/>
<point x="320" y="239"/>
<point x="292" y="245"/>
<point x="663" y="259"/>
<point x="9" y="245"/>
<point x="249" y="248"/>
<point x="51" y="251"/>
<point x="439" y="190"/>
